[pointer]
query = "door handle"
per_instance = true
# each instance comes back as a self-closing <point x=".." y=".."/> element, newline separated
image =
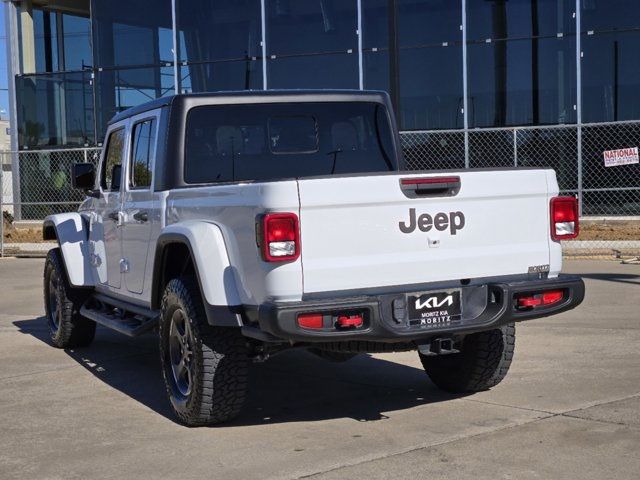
<point x="142" y="216"/>
<point x="116" y="216"/>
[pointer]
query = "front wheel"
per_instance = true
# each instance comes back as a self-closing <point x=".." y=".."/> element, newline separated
<point x="482" y="364"/>
<point x="205" y="368"/>
<point x="62" y="302"/>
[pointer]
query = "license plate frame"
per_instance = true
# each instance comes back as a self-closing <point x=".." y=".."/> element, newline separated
<point x="435" y="309"/>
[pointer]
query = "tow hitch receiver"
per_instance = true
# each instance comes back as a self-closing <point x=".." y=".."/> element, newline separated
<point x="438" y="346"/>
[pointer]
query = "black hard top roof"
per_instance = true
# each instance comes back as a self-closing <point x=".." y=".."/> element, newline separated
<point x="256" y="96"/>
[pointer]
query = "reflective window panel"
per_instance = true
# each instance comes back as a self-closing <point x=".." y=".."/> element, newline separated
<point x="522" y="82"/>
<point x="431" y="88"/>
<point x="429" y="22"/>
<point x="45" y="44"/>
<point x="77" y="42"/>
<point x="375" y="44"/>
<point x="611" y="77"/>
<point x="118" y="25"/>
<point x="430" y="78"/>
<point x="601" y="15"/>
<point x="499" y="19"/>
<point x="314" y="71"/>
<point x="221" y="76"/>
<point x="117" y="90"/>
<point x="311" y="26"/>
<point x="312" y="44"/>
<point x="218" y="29"/>
<point x="55" y="110"/>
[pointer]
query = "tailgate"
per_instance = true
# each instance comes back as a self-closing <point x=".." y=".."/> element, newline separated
<point x="366" y="232"/>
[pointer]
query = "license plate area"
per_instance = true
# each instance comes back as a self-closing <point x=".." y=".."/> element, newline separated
<point x="435" y="309"/>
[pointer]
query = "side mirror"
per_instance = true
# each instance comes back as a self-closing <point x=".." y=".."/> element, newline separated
<point x="83" y="176"/>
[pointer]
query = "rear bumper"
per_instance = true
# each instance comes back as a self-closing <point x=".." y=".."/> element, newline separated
<point x="486" y="306"/>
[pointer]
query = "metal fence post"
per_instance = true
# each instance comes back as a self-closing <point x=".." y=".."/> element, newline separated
<point x="465" y="86"/>
<point x="515" y="147"/>
<point x="579" y="99"/>
<point x="580" y="186"/>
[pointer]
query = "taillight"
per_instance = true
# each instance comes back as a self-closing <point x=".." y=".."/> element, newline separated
<point x="280" y="237"/>
<point x="312" y="321"/>
<point x="331" y="321"/>
<point x="565" y="223"/>
<point x="350" y="321"/>
<point x="543" y="299"/>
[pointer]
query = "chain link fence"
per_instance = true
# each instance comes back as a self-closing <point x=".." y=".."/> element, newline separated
<point x="37" y="183"/>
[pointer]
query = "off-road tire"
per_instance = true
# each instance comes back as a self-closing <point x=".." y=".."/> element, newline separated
<point x="333" y="356"/>
<point x="220" y="360"/>
<point x="62" y="302"/>
<point x="483" y="362"/>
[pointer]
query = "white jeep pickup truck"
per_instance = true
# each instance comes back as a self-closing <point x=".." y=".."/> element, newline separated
<point x="242" y="225"/>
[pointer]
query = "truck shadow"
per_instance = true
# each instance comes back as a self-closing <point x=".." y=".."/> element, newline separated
<point x="295" y="386"/>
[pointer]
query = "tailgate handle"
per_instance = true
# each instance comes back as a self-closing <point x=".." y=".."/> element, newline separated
<point x="421" y="187"/>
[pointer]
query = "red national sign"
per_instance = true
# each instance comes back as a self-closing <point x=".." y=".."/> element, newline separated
<point x="624" y="156"/>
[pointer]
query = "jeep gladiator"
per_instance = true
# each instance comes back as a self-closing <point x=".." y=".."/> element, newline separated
<point x="242" y="225"/>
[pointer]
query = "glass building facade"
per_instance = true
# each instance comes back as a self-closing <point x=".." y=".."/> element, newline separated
<point x="447" y="64"/>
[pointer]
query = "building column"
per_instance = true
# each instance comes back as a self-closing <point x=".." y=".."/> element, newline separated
<point x="27" y="39"/>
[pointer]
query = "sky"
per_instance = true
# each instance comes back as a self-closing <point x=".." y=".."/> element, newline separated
<point x="4" y="94"/>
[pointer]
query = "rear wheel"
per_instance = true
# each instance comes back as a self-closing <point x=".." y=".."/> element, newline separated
<point x="482" y="364"/>
<point x="62" y="302"/>
<point x="205" y="368"/>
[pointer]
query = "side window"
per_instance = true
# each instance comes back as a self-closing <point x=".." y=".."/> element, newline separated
<point x="144" y="141"/>
<point x="110" y="177"/>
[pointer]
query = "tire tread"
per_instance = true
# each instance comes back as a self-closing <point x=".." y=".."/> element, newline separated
<point x="74" y="329"/>
<point x="483" y="363"/>
<point x="220" y="394"/>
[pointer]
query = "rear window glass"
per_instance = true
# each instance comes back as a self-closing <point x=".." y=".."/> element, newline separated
<point x="272" y="141"/>
<point x="293" y="135"/>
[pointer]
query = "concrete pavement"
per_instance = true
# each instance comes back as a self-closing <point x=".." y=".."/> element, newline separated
<point x="570" y="407"/>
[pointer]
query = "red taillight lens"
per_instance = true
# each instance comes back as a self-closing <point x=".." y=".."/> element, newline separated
<point x="311" y="320"/>
<point x="280" y="240"/>
<point x="565" y="222"/>
<point x="540" y="299"/>
<point x="549" y="298"/>
<point x="350" y="321"/>
<point x="532" y="301"/>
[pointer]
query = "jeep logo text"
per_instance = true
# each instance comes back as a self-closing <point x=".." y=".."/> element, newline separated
<point x="454" y="221"/>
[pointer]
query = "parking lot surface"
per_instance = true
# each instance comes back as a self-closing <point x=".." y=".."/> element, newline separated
<point x="570" y="407"/>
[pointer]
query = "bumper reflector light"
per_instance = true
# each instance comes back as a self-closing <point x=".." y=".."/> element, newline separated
<point x="312" y="321"/>
<point x="549" y="298"/>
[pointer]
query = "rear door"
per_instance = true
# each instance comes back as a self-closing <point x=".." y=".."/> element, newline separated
<point x="139" y="210"/>
<point x="370" y="231"/>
